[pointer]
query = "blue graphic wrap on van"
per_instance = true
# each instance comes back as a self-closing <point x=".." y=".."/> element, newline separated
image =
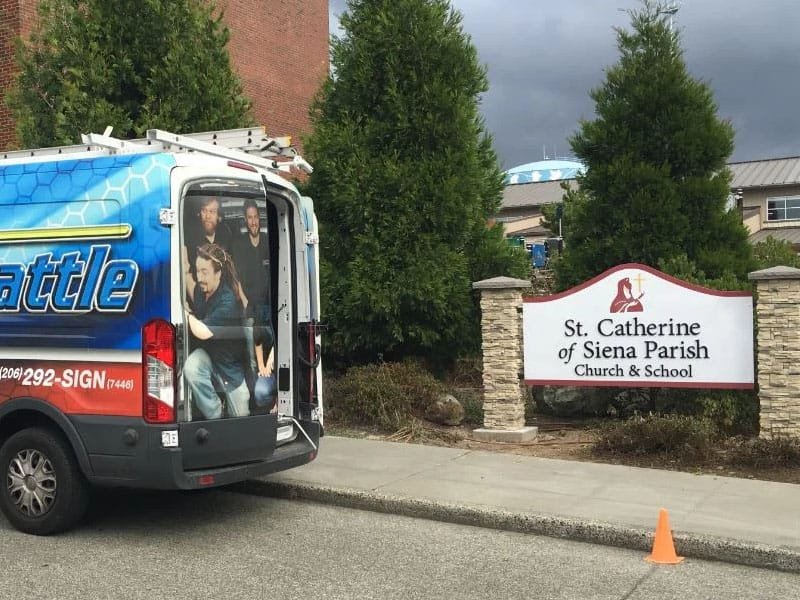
<point x="84" y="260"/>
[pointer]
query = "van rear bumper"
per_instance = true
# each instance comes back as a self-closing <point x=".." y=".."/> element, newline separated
<point x="115" y="462"/>
<point x="292" y="454"/>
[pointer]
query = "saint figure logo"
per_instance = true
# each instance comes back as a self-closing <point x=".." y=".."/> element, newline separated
<point x="625" y="301"/>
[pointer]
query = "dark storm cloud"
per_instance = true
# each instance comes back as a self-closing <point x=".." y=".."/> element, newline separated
<point x="544" y="57"/>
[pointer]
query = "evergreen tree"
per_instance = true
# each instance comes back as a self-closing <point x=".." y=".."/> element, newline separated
<point x="405" y="179"/>
<point x="656" y="183"/>
<point x="131" y="64"/>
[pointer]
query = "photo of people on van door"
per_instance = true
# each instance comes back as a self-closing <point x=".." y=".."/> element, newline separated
<point x="205" y="226"/>
<point x="251" y="256"/>
<point x="216" y="365"/>
<point x="230" y="369"/>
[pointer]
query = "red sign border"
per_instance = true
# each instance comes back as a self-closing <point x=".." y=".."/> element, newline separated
<point x="589" y="282"/>
<point x="722" y="385"/>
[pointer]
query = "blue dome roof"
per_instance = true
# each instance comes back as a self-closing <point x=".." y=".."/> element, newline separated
<point x="544" y="170"/>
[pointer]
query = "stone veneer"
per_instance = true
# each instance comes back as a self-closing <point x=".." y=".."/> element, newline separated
<point x="501" y="333"/>
<point x="778" y="350"/>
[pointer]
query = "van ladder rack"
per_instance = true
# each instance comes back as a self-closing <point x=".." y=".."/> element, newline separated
<point x="251" y="146"/>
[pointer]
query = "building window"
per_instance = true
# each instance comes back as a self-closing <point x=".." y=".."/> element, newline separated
<point x="783" y="208"/>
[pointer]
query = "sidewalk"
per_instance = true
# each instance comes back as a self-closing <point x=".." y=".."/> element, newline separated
<point x="720" y="518"/>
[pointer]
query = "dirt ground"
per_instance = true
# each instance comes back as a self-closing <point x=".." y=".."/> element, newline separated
<point x="566" y="440"/>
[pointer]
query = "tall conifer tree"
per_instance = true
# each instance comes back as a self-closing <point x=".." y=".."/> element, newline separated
<point x="131" y="64"/>
<point x="656" y="184"/>
<point x="405" y="180"/>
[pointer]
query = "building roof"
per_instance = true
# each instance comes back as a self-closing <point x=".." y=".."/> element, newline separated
<point x="539" y="230"/>
<point x="787" y="234"/>
<point x="750" y="174"/>
<point x="515" y="218"/>
<point x="766" y="173"/>
<point x="522" y="195"/>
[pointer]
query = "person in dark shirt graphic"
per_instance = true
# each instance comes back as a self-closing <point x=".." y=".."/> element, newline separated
<point x="251" y="256"/>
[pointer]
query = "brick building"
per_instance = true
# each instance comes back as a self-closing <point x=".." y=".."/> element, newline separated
<point x="279" y="48"/>
<point x="17" y="17"/>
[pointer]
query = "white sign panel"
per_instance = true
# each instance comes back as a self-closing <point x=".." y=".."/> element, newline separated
<point x="635" y="326"/>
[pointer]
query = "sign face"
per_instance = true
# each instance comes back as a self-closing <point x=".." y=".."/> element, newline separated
<point x="634" y="326"/>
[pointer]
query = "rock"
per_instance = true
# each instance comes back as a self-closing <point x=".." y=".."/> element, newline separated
<point x="632" y="401"/>
<point x="565" y="401"/>
<point x="446" y="410"/>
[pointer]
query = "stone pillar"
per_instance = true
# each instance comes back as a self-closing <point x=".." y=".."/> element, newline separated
<point x="501" y="332"/>
<point x="778" y="351"/>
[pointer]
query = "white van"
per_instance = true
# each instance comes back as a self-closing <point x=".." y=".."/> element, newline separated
<point x="159" y="319"/>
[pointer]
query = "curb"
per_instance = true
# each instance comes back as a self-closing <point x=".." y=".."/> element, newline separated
<point x="581" y="530"/>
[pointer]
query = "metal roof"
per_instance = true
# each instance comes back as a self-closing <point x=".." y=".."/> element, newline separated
<point x="771" y="172"/>
<point x="766" y="173"/>
<point x="522" y="195"/>
<point x="787" y="234"/>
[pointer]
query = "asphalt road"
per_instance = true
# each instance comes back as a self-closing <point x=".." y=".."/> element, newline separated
<point x="220" y="544"/>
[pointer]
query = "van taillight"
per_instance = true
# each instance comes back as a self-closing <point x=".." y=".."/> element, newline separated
<point x="158" y="372"/>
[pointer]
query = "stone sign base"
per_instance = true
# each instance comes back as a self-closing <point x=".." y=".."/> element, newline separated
<point x="524" y="434"/>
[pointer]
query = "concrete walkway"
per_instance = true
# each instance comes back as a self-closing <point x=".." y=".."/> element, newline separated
<point x="721" y="518"/>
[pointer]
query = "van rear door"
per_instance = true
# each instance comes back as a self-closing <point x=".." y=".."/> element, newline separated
<point x="230" y="253"/>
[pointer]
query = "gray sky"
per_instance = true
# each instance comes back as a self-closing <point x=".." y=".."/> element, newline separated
<point x="543" y="57"/>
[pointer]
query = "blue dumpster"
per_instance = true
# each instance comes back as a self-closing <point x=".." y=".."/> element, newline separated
<point x="538" y="255"/>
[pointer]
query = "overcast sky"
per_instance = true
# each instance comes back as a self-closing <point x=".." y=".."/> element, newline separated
<point x="544" y="56"/>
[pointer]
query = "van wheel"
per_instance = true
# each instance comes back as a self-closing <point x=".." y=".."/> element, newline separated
<point x="43" y="489"/>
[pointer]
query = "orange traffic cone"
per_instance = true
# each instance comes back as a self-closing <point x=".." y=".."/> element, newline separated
<point x="663" y="547"/>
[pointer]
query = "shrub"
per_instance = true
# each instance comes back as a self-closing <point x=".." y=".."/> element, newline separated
<point x="528" y="397"/>
<point x="387" y="395"/>
<point x="677" y="435"/>
<point x="773" y="253"/>
<point x="732" y="412"/>
<point x="472" y="401"/>
<point x="466" y="373"/>
<point x="760" y="453"/>
<point x="464" y="378"/>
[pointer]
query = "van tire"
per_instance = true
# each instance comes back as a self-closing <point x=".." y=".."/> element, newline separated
<point x="44" y="460"/>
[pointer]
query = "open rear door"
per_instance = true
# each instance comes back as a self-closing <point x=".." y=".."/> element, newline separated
<point x="229" y="372"/>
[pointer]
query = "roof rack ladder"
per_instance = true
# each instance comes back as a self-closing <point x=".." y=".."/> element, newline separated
<point x="191" y="143"/>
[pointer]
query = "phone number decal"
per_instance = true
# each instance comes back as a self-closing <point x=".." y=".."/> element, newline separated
<point x="85" y="379"/>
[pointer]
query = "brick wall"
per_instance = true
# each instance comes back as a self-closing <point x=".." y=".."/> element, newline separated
<point x="279" y="48"/>
<point x="17" y="17"/>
